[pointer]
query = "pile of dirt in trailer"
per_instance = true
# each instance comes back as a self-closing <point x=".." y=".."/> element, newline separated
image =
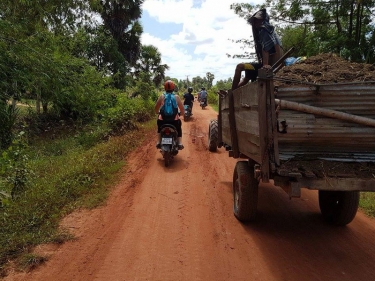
<point x="326" y="69"/>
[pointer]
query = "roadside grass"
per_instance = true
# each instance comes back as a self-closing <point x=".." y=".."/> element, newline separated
<point x="215" y="107"/>
<point x="63" y="174"/>
<point x="367" y="203"/>
<point x="28" y="262"/>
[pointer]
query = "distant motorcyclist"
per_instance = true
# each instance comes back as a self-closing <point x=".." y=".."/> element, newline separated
<point x="189" y="99"/>
<point x="169" y="87"/>
<point x="203" y="95"/>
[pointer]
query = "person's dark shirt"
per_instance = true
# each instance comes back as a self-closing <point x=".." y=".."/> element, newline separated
<point x="188" y="98"/>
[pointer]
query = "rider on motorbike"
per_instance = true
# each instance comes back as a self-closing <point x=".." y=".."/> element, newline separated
<point x="189" y="99"/>
<point x="169" y="87"/>
<point x="203" y="95"/>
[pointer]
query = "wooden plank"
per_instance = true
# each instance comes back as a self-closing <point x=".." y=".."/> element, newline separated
<point x="248" y="96"/>
<point x="273" y="123"/>
<point x="249" y="146"/>
<point x="225" y="126"/>
<point x="247" y="121"/>
<point x="233" y="127"/>
<point x="263" y="128"/>
<point x="220" y="122"/>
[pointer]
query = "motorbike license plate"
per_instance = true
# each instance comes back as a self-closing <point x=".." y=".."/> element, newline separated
<point x="166" y="141"/>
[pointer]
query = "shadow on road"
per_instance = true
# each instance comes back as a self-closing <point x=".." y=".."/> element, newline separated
<point x="298" y="245"/>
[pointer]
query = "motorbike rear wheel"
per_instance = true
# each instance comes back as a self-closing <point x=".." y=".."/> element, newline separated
<point x="167" y="159"/>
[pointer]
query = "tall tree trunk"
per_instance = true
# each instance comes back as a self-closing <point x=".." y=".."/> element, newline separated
<point x="350" y="29"/>
<point x="358" y="24"/>
<point x="338" y="24"/>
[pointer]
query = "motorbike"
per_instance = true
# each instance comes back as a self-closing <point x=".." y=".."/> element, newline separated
<point x="203" y="102"/>
<point x="169" y="146"/>
<point x="187" y="114"/>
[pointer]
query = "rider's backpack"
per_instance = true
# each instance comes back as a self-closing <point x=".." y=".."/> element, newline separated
<point x="169" y="109"/>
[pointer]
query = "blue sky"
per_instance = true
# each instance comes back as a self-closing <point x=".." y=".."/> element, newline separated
<point x="194" y="36"/>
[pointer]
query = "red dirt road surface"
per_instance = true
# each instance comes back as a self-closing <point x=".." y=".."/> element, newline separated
<point x="177" y="223"/>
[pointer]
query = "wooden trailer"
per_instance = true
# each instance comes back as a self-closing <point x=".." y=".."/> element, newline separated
<point x="319" y="137"/>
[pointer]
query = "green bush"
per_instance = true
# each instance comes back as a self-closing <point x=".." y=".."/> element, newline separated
<point x="213" y="99"/>
<point x="8" y="117"/>
<point x="83" y="96"/>
<point x="14" y="168"/>
<point x="127" y="112"/>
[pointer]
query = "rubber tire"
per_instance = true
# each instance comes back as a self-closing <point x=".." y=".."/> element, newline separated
<point x="338" y="207"/>
<point x="213" y="135"/>
<point x="167" y="159"/>
<point x="245" y="191"/>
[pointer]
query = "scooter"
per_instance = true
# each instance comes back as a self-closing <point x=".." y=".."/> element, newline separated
<point x="187" y="114"/>
<point x="203" y="103"/>
<point x="169" y="146"/>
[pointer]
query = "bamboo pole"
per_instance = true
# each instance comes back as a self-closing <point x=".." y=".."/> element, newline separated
<point x="325" y="112"/>
<point x="279" y="64"/>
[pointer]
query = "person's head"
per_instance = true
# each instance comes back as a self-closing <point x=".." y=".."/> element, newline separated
<point x="169" y="86"/>
<point x="258" y="18"/>
<point x="203" y="89"/>
<point x="190" y="90"/>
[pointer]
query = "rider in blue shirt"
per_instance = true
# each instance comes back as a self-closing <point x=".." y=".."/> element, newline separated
<point x="203" y="95"/>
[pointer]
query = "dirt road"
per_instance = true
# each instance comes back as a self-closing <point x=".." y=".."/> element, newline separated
<point x="177" y="223"/>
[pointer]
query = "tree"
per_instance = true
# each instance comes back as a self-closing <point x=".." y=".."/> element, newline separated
<point x="97" y="44"/>
<point x="210" y="78"/>
<point x="55" y="15"/>
<point x="345" y="27"/>
<point x="224" y="84"/>
<point x="150" y="62"/>
<point x="199" y="82"/>
<point x="120" y="17"/>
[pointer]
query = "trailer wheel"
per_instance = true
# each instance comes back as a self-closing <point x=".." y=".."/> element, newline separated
<point x="213" y="135"/>
<point x="245" y="191"/>
<point x="338" y="207"/>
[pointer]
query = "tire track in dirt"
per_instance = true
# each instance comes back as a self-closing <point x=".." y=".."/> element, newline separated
<point x="207" y="176"/>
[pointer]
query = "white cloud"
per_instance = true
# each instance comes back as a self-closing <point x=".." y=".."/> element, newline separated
<point x="208" y="28"/>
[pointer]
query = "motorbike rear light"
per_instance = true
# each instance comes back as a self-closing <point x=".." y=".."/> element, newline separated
<point x="167" y="131"/>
